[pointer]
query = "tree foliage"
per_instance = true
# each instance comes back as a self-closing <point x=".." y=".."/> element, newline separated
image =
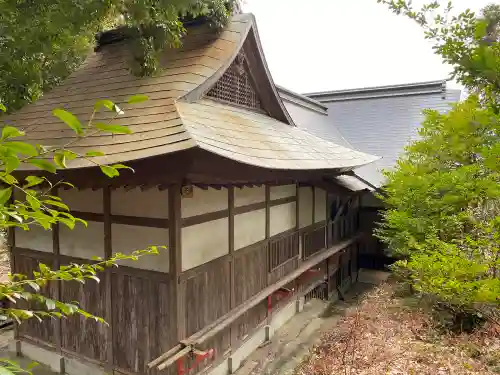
<point x="443" y="197"/>
<point x="43" y="41"/>
<point x="31" y="200"/>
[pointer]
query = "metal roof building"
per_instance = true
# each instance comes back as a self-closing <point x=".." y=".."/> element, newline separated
<point x="377" y="120"/>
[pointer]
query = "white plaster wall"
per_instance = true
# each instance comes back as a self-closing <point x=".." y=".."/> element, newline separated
<point x="305" y="206"/>
<point x="319" y="205"/>
<point x="204" y="201"/>
<point x="249" y="228"/>
<point x="204" y="242"/>
<point x="283" y="218"/>
<point x="128" y="238"/>
<point x="150" y="203"/>
<point x="82" y="242"/>
<point x="86" y="200"/>
<point x="247" y="195"/>
<point x="283" y="191"/>
<point x="36" y="238"/>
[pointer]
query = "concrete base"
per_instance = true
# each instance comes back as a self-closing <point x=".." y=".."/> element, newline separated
<point x="56" y="362"/>
<point x="264" y="334"/>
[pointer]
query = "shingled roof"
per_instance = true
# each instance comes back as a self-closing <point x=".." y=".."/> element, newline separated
<point x="179" y="114"/>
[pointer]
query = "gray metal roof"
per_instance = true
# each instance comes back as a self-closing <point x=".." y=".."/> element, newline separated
<point x="418" y="88"/>
<point x="377" y="120"/>
<point x="301" y="100"/>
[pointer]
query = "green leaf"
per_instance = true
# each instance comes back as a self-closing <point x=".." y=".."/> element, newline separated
<point x="137" y="99"/>
<point x="34" y="202"/>
<point x="109" y="105"/>
<point x="109" y="171"/>
<point x="5" y="195"/>
<point x="116" y="129"/>
<point x="21" y="148"/>
<point x="68" y="222"/>
<point x="67" y="183"/>
<point x="43" y="164"/>
<point x="8" y="179"/>
<point x="95" y="153"/>
<point x="104" y="103"/>
<point x="51" y="304"/>
<point x="34" y="286"/>
<point x="11" y="132"/>
<point x="2" y="108"/>
<point x="56" y="204"/>
<point x="122" y="166"/>
<point x="11" y="163"/>
<point x="69" y="119"/>
<point x="33" y="181"/>
<point x="60" y="160"/>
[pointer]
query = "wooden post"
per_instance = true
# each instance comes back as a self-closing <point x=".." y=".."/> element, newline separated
<point x="11" y="242"/>
<point x="268" y="212"/>
<point x="232" y="298"/>
<point x="328" y="221"/>
<point x="56" y="264"/>
<point x="313" y="205"/>
<point x="268" y="235"/>
<point x="175" y="256"/>
<point x="108" y="253"/>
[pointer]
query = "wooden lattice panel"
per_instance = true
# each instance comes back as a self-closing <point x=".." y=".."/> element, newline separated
<point x="236" y="86"/>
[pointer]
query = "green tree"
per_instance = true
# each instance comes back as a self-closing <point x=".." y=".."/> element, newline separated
<point x="443" y="197"/>
<point x="43" y="41"/>
<point x="36" y="204"/>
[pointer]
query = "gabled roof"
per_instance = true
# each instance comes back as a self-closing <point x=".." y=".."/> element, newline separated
<point x="178" y="116"/>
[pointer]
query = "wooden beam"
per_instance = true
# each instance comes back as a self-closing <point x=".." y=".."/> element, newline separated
<point x="150" y="222"/>
<point x="231" y="242"/>
<point x="297" y="219"/>
<point x="278" y="202"/>
<point x="268" y="211"/>
<point x="108" y="253"/>
<point x="203" y="218"/>
<point x="313" y="204"/>
<point x="11" y="243"/>
<point x="175" y="245"/>
<point x="249" y="208"/>
<point x="232" y="297"/>
<point x="56" y="264"/>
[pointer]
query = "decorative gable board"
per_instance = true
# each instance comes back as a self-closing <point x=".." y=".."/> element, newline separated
<point x="236" y="85"/>
<point x="245" y="82"/>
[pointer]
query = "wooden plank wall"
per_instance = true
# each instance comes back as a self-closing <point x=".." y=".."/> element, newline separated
<point x="150" y="311"/>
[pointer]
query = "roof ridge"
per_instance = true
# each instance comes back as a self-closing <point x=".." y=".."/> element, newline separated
<point x="441" y="84"/>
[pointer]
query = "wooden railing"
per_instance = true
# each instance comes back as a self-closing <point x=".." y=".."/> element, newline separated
<point x="313" y="240"/>
<point x="282" y="249"/>
<point x="342" y="228"/>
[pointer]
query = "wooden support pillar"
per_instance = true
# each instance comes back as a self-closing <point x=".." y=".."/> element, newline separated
<point x="268" y="211"/>
<point x="232" y="297"/>
<point x="230" y="194"/>
<point x="313" y="205"/>
<point x="175" y="257"/>
<point x="11" y="244"/>
<point x="56" y="264"/>
<point x="268" y="235"/>
<point x="297" y="221"/>
<point x="108" y="253"/>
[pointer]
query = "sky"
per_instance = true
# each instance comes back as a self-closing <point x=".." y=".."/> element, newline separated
<point x="322" y="45"/>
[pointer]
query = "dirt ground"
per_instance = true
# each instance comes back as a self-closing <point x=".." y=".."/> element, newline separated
<point x="383" y="335"/>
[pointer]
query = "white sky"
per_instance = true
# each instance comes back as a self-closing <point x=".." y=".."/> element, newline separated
<point x="322" y="45"/>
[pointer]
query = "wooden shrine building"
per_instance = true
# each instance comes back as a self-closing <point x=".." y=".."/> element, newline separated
<point x="246" y="203"/>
